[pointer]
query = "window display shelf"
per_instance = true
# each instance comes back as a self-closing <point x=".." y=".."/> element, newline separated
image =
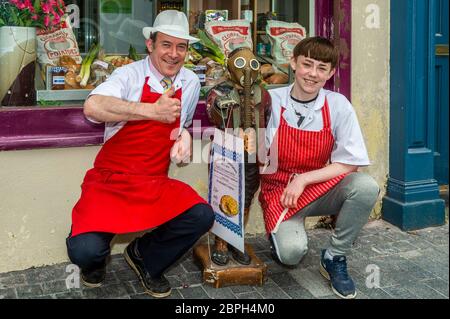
<point x="62" y="95"/>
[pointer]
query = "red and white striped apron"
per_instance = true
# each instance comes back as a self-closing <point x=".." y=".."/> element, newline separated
<point x="129" y="190"/>
<point x="298" y="152"/>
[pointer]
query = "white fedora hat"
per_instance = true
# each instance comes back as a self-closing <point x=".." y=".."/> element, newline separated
<point x="173" y="23"/>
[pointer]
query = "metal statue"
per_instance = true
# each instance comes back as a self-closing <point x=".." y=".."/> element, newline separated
<point x="241" y="104"/>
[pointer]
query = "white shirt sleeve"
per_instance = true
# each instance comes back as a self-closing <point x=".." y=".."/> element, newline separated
<point x="190" y="97"/>
<point x="349" y="147"/>
<point x="277" y="98"/>
<point x="117" y="85"/>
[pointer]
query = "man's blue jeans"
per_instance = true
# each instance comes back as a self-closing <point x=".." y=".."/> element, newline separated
<point x="160" y="248"/>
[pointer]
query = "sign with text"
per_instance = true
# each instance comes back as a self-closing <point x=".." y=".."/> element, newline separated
<point x="227" y="187"/>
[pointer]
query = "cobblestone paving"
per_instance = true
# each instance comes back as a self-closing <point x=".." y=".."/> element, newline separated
<point x="411" y="265"/>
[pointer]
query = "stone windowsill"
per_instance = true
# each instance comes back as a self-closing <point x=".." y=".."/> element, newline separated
<point x="56" y="127"/>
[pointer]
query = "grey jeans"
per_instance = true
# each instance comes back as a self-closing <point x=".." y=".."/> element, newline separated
<point x="352" y="200"/>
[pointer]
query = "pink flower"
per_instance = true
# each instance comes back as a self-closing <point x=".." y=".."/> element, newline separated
<point x="45" y="8"/>
<point x="52" y="3"/>
<point x="29" y="5"/>
<point x="46" y="20"/>
<point x="53" y="13"/>
<point x="20" y="5"/>
<point x="44" y="13"/>
<point x="56" y="21"/>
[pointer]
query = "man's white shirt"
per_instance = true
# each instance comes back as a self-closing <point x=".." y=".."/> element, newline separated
<point x="127" y="82"/>
<point x="349" y="147"/>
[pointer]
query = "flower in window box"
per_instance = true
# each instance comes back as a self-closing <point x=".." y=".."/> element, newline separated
<point x="19" y="20"/>
<point x="44" y="14"/>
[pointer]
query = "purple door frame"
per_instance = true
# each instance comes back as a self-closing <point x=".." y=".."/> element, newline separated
<point x="40" y="127"/>
<point x="334" y="21"/>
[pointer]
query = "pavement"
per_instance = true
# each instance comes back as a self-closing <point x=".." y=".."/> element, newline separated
<point x="385" y="263"/>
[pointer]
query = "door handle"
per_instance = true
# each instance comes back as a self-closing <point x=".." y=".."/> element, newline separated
<point x="442" y="50"/>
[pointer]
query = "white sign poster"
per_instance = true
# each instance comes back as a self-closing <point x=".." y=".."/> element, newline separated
<point x="227" y="188"/>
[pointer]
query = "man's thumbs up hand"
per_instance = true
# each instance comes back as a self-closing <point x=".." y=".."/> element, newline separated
<point x="167" y="109"/>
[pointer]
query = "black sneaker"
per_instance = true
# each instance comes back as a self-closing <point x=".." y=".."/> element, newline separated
<point x="94" y="278"/>
<point x="155" y="287"/>
<point x="336" y="272"/>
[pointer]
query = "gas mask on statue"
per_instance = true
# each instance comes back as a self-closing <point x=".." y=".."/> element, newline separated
<point x="243" y="66"/>
<point x="237" y="104"/>
<point x="243" y="69"/>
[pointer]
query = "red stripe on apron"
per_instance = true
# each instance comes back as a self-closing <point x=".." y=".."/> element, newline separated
<point x="298" y="152"/>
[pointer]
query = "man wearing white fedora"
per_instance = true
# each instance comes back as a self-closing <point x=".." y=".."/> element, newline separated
<point x="146" y="106"/>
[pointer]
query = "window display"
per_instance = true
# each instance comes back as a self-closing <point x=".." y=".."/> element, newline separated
<point x="170" y="5"/>
<point x="284" y="36"/>
<point x="116" y="25"/>
<point x="99" y="36"/>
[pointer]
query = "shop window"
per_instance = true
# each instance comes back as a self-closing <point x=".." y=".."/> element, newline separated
<point x="117" y="24"/>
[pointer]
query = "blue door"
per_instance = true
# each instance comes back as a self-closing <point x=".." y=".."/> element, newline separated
<point x="441" y="96"/>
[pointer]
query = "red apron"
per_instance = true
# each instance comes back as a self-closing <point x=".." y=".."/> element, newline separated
<point x="298" y="152"/>
<point x="129" y="190"/>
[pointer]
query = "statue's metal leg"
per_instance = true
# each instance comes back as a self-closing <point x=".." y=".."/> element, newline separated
<point x="242" y="258"/>
<point x="219" y="254"/>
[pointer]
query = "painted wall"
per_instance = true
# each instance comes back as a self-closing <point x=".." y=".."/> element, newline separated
<point x="370" y="83"/>
<point x="38" y="189"/>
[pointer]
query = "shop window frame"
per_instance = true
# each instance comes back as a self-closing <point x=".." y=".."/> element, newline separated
<point x="57" y="127"/>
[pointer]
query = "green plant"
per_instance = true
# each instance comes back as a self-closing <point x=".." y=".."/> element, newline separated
<point x="87" y="62"/>
<point x="49" y="103"/>
<point x="210" y="49"/>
